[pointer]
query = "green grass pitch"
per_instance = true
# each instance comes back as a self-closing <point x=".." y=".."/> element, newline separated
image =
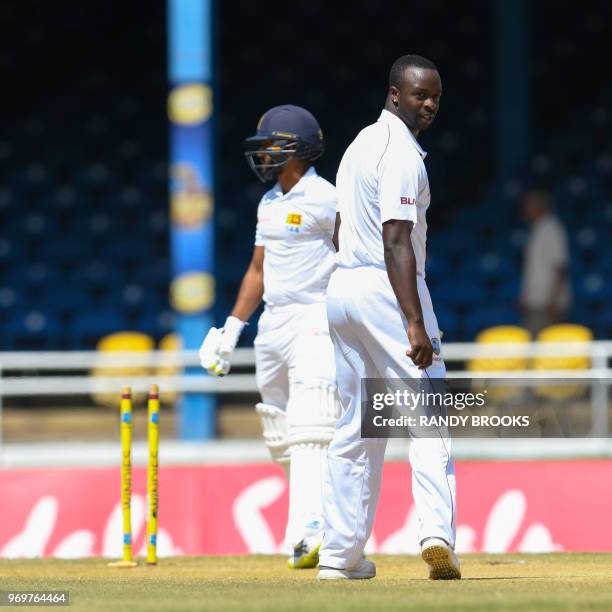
<point x="560" y="581"/>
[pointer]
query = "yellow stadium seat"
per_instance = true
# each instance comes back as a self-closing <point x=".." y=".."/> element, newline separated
<point x="501" y="334"/>
<point x="126" y="341"/>
<point x="562" y="333"/>
<point x="170" y="342"/>
<point x="121" y="342"/>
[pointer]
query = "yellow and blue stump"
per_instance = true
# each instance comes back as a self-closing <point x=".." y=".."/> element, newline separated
<point x="153" y="475"/>
<point x="126" y="478"/>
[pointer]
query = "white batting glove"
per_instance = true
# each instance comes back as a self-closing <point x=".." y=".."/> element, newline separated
<point x="218" y="346"/>
<point x="210" y="357"/>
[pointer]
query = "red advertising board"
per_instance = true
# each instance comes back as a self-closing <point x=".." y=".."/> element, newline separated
<point x="528" y="506"/>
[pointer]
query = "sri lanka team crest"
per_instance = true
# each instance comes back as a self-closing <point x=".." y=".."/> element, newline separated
<point x="294" y="221"/>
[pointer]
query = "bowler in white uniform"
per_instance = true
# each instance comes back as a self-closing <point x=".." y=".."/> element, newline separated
<point x="293" y="259"/>
<point x="383" y="326"/>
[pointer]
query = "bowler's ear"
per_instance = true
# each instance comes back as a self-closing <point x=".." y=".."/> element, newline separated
<point x="394" y="95"/>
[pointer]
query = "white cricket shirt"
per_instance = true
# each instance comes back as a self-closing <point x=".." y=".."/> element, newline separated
<point x="381" y="177"/>
<point x="296" y="230"/>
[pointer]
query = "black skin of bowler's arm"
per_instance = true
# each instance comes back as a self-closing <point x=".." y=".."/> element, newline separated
<point x="401" y="269"/>
<point x="336" y="232"/>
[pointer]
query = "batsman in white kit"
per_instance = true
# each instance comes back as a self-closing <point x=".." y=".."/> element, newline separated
<point x="292" y="261"/>
<point x="383" y="326"/>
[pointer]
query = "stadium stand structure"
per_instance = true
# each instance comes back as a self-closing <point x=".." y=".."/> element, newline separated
<point x="83" y="194"/>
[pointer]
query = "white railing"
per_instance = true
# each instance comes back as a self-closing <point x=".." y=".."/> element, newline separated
<point x="50" y="368"/>
<point x="70" y="373"/>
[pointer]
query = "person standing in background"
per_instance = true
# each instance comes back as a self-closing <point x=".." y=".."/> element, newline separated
<point x="545" y="288"/>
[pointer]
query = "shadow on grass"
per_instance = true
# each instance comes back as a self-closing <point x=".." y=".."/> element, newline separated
<point x="519" y="577"/>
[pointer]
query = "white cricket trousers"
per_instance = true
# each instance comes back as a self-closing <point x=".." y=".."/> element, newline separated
<point x="294" y="358"/>
<point x="292" y="346"/>
<point x="370" y="341"/>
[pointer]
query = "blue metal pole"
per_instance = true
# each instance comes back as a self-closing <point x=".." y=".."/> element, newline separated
<point x="513" y="142"/>
<point x="190" y="112"/>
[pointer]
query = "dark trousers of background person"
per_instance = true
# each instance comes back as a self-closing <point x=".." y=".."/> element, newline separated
<point x="536" y="319"/>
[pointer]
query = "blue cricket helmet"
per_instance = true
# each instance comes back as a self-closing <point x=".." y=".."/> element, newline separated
<point x="283" y="132"/>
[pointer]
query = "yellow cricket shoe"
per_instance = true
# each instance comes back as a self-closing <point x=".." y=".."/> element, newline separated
<point x="306" y="551"/>
<point x="441" y="558"/>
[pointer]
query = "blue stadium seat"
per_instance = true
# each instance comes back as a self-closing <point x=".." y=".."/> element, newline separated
<point x="447" y="323"/>
<point x="90" y="325"/>
<point x="485" y="317"/>
<point x="458" y="293"/>
<point x="508" y="290"/>
<point x="33" y="329"/>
